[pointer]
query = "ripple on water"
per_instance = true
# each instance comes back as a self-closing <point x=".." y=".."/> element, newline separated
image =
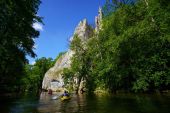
<point x="89" y="104"/>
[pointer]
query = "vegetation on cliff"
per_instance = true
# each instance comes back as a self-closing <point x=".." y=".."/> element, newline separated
<point x="131" y="52"/>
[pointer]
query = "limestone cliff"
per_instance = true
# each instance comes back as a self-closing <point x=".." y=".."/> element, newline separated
<point x="83" y="30"/>
<point x="98" y="20"/>
<point x="53" y="78"/>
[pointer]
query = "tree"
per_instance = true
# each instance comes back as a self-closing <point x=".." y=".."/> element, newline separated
<point x="78" y="64"/>
<point x="16" y="39"/>
<point x="134" y="47"/>
<point x="130" y="52"/>
<point x="139" y="38"/>
<point x="34" y="74"/>
<point x="44" y="64"/>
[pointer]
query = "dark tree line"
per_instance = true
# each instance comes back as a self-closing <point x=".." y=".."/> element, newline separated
<point x="16" y="40"/>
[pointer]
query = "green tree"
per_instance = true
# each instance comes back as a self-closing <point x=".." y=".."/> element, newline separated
<point x="44" y="64"/>
<point x="131" y="52"/>
<point x="78" y="65"/>
<point x="135" y="36"/>
<point x="16" y="39"/>
<point x="34" y="74"/>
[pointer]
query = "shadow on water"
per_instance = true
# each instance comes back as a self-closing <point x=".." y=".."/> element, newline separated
<point x="122" y="103"/>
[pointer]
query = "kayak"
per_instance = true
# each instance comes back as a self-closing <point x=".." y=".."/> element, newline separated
<point x="65" y="98"/>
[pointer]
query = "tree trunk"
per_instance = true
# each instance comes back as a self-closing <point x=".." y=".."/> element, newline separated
<point x="79" y="81"/>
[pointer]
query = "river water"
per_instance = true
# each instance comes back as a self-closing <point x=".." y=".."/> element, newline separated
<point x="124" y="103"/>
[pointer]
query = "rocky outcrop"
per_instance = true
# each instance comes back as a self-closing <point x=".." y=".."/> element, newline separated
<point x="53" y="77"/>
<point x="98" y="20"/>
<point x="83" y="30"/>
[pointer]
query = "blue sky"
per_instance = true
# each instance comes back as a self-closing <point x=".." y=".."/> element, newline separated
<point x="60" y="19"/>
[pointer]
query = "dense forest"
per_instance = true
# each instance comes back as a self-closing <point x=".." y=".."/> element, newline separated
<point x="16" y="42"/>
<point x="131" y="52"/>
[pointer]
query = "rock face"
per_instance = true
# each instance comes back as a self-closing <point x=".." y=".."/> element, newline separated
<point x="53" y="78"/>
<point x="98" y="20"/>
<point x="83" y="30"/>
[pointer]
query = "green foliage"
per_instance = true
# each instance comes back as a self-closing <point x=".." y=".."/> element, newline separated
<point x="35" y="74"/>
<point x="16" y="40"/>
<point x="131" y="52"/>
<point x="32" y="78"/>
<point x="59" y="56"/>
<point x="80" y="64"/>
<point x="140" y="46"/>
<point x="68" y="76"/>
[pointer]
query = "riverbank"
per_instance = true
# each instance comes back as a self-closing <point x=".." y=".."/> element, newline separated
<point x="102" y="92"/>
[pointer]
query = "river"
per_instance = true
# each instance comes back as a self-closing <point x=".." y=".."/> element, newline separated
<point x="122" y="103"/>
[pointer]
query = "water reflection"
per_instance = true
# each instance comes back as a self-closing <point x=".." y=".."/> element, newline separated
<point x="83" y="103"/>
<point x="77" y="104"/>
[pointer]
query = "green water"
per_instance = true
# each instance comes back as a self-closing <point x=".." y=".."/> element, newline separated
<point x="127" y="103"/>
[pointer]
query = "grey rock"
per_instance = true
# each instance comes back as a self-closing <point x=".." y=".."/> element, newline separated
<point x="53" y="78"/>
<point x="98" y="20"/>
<point x="83" y="30"/>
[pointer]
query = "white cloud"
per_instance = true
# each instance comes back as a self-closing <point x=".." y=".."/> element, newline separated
<point x="33" y="62"/>
<point x="35" y="46"/>
<point x="38" y="26"/>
